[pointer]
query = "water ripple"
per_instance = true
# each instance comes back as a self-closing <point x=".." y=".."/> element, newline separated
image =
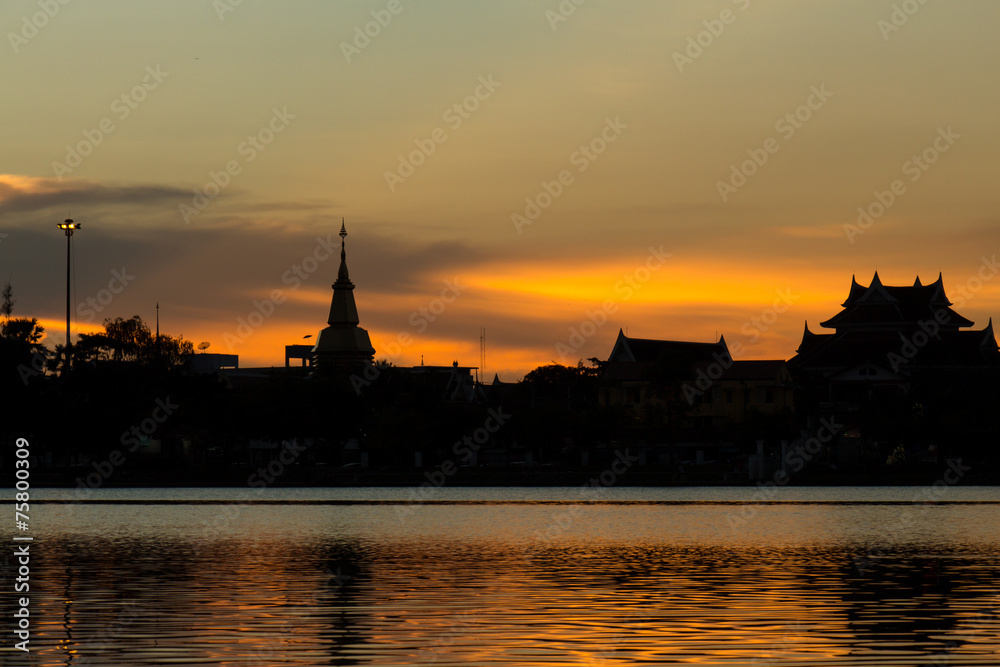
<point x="461" y="584"/>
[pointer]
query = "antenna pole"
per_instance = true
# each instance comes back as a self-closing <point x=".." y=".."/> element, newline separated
<point x="482" y="351"/>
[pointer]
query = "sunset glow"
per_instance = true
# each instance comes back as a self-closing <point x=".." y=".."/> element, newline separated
<point x="217" y="174"/>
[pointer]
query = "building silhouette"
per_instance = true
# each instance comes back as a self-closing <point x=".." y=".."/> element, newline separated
<point x="343" y="346"/>
<point x="886" y="341"/>
<point x="695" y="385"/>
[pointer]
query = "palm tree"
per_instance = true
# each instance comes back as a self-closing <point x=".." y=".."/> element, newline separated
<point x="23" y="329"/>
<point x="20" y="346"/>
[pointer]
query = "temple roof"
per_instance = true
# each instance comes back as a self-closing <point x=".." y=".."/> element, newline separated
<point x="902" y="327"/>
<point x="949" y="349"/>
<point x="646" y="350"/>
<point x="632" y="358"/>
<point x="889" y="307"/>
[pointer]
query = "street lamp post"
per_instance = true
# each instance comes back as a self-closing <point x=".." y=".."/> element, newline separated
<point x="69" y="227"/>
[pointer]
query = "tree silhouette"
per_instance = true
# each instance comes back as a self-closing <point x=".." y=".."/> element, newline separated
<point x="20" y="338"/>
<point x="130" y="341"/>
<point x="8" y="301"/>
<point x="24" y="329"/>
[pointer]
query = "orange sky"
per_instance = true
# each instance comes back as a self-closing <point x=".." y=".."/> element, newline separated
<point x="532" y="162"/>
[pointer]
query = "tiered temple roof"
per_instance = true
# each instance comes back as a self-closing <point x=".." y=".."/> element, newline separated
<point x="882" y="307"/>
<point x="902" y="327"/>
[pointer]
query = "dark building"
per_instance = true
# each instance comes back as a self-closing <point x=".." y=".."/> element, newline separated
<point x="888" y="341"/>
<point x="697" y="385"/>
<point x="451" y="383"/>
<point x="301" y="353"/>
<point x="343" y="346"/>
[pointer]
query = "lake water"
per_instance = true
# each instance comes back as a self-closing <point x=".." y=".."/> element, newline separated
<point x="619" y="576"/>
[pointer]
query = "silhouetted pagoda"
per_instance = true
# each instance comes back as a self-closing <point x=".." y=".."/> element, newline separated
<point x="889" y="338"/>
<point x="343" y="346"/>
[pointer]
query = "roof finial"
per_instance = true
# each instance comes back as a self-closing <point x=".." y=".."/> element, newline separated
<point x="343" y="234"/>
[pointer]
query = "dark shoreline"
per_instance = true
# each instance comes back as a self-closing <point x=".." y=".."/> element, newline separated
<point x="540" y="476"/>
<point x="240" y="501"/>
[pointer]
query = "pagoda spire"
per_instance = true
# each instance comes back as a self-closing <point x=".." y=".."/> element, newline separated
<point x="343" y="344"/>
<point x="342" y="274"/>
<point x="343" y="309"/>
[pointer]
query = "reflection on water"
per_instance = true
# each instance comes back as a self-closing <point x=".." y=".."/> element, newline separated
<point x="514" y="584"/>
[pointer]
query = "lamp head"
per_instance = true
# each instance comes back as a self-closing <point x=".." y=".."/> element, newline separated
<point x="68" y="226"/>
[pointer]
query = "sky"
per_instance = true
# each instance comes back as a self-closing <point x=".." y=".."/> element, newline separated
<point x="551" y="171"/>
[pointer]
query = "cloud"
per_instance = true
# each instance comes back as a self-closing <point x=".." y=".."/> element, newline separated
<point x="35" y="195"/>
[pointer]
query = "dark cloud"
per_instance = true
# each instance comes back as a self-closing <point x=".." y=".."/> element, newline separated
<point x="210" y="269"/>
<point x="41" y="195"/>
